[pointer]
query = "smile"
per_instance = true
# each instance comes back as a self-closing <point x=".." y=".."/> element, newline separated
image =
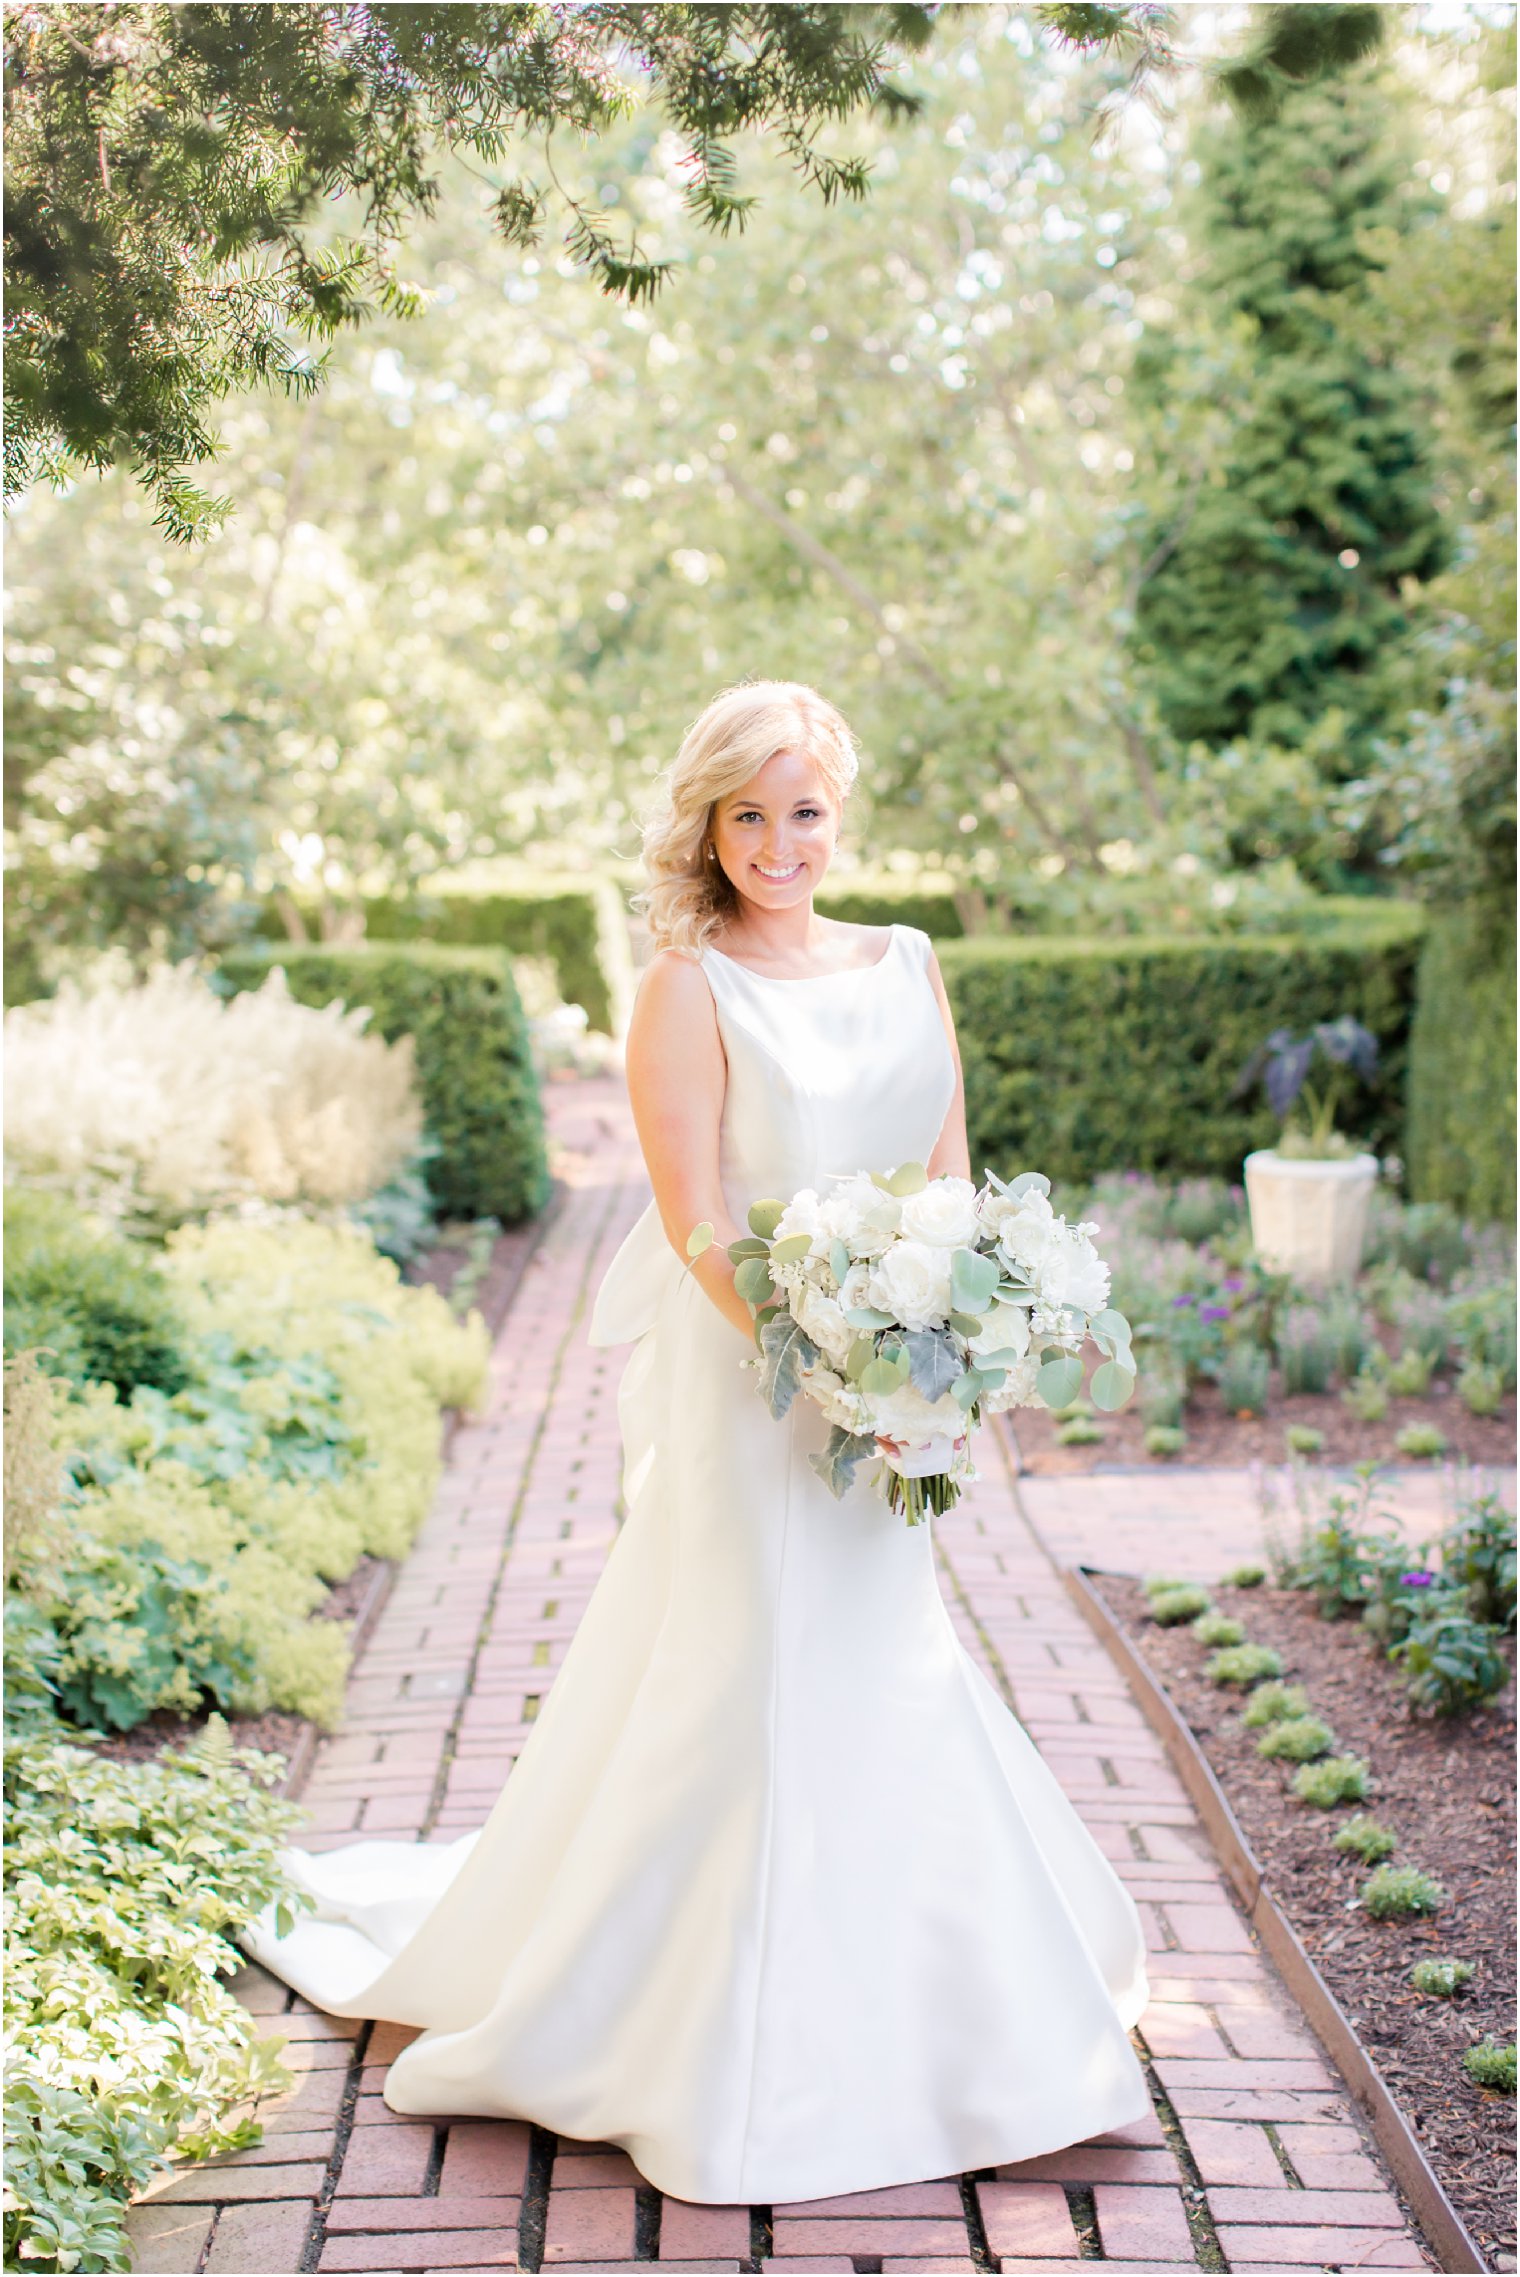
<point x="780" y="876"/>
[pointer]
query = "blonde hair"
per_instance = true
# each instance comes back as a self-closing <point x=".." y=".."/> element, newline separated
<point x="688" y="895"/>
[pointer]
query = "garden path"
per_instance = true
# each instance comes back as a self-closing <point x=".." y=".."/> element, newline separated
<point x="1253" y="2157"/>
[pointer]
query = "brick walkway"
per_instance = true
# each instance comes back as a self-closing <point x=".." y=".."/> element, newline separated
<point x="1253" y="2157"/>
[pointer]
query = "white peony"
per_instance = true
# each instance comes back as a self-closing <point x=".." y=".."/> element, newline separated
<point x="912" y="1283"/>
<point x="799" y="1216"/>
<point x="1004" y="1329"/>
<point x="857" y="1212"/>
<point x="943" y="1214"/>
<point x="1018" y="1388"/>
<point x="1073" y="1273"/>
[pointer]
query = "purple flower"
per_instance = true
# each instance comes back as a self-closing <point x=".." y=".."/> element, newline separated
<point x="1182" y="1301"/>
<point x="1416" y="1580"/>
<point x="1213" y="1312"/>
<point x="1234" y="1282"/>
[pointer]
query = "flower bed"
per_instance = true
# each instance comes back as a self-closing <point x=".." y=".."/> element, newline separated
<point x="1445" y="1788"/>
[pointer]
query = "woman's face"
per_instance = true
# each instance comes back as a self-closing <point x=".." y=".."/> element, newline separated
<point x="774" y="838"/>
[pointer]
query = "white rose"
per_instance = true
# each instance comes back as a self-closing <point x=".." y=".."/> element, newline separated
<point x="943" y="1214"/>
<point x="799" y="1216"/>
<point x="912" y="1283"/>
<point x="820" y="1317"/>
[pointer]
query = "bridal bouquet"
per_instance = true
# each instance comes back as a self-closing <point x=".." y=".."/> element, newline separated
<point x="908" y="1307"/>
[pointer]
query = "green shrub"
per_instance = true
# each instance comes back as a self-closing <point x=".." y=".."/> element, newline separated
<point x="1460" y="1146"/>
<point x="94" y="1302"/>
<point x="1156" y="1584"/>
<point x="1409" y="1376"/>
<point x="1395" y="1893"/>
<point x="1161" y="1393"/>
<point x="1296" y="1739"/>
<point x="1271" y="1703"/>
<point x="1364" y="1838"/>
<point x="1245" y="1577"/>
<point x="932" y="909"/>
<point x="1178" y="1015"/>
<point x="1303" y="1439"/>
<point x="1164" y="1439"/>
<point x="1353" y="1346"/>
<point x="1491" y="2065"/>
<point x="1080" y="1431"/>
<point x="1478" y="1556"/>
<point x="1218" y="1629"/>
<point x="1168" y="1606"/>
<point x="474" y="1066"/>
<point x="124" y="1884"/>
<point x="1338" y="1779"/>
<point x="1480" y="1388"/>
<point x="1422" y="1440"/>
<point x="1440" y="1978"/>
<point x="1450" y="1662"/>
<point x="1305" y="1353"/>
<point x="1366" y="1396"/>
<point x="1244" y="1378"/>
<point x="1242" y="1664"/>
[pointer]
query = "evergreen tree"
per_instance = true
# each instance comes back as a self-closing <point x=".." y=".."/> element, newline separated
<point x="1279" y="591"/>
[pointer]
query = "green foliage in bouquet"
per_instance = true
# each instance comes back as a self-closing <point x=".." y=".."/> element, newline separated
<point x="474" y="1063"/>
<point x="124" y="1885"/>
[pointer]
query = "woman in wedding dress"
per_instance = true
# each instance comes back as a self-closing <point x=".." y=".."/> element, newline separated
<point x="779" y="1894"/>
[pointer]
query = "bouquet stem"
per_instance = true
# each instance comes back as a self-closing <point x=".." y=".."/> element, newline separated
<point x="913" y="1496"/>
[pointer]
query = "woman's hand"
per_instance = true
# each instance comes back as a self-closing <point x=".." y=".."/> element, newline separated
<point x="677" y="1078"/>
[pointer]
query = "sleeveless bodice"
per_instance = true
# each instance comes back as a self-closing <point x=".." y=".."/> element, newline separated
<point x="842" y="1071"/>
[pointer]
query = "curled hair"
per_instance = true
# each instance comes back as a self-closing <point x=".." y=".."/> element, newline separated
<point x="688" y="895"/>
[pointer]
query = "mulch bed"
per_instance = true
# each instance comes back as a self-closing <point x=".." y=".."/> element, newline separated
<point x="1447" y="1789"/>
<point x="1217" y="1438"/>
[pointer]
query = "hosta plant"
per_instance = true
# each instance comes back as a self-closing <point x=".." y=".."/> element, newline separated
<point x="1450" y="1662"/>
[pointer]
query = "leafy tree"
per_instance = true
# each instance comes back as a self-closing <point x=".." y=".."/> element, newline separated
<point x="1285" y="592"/>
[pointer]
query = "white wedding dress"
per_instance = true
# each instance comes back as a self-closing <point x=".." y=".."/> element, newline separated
<point x="779" y="1894"/>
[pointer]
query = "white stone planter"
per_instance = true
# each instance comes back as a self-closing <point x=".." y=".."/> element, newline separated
<point x="1309" y="1218"/>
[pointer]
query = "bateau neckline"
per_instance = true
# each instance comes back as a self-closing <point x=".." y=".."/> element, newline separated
<point x="806" y="979"/>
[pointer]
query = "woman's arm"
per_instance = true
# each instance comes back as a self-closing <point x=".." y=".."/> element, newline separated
<point x="951" y="1152"/>
<point x="677" y="1076"/>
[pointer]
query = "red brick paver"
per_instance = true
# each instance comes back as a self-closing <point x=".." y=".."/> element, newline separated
<point x="1253" y="2156"/>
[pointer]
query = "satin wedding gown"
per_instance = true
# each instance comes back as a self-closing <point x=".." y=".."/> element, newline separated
<point x="779" y="1894"/>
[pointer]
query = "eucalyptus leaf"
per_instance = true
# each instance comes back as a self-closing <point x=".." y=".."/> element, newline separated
<point x="933" y="1362"/>
<point x="1028" y="1182"/>
<point x="793" y="1250"/>
<point x="1060" y="1380"/>
<point x="907" y="1178"/>
<point x="750" y="1247"/>
<point x="841" y="1458"/>
<point x="1111" y="1384"/>
<point x="966" y="1324"/>
<point x="861" y="1353"/>
<point x="968" y="1391"/>
<point x="753" y="1281"/>
<point x="699" y="1238"/>
<point x="839" y="1261"/>
<point x="785" y="1352"/>
<point x="866" y="1316"/>
<point x="973" y="1280"/>
<point x="764" y="1217"/>
<point x="1111" y="1323"/>
<point x="880" y="1378"/>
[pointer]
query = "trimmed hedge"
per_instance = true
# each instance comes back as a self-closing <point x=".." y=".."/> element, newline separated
<point x="571" y="924"/>
<point x="931" y="909"/>
<point x="1092" y="1055"/>
<point x="1461" y="1145"/>
<point x="462" y="1010"/>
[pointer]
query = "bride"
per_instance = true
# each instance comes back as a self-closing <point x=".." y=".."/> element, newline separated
<point x="779" y="1895"/>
